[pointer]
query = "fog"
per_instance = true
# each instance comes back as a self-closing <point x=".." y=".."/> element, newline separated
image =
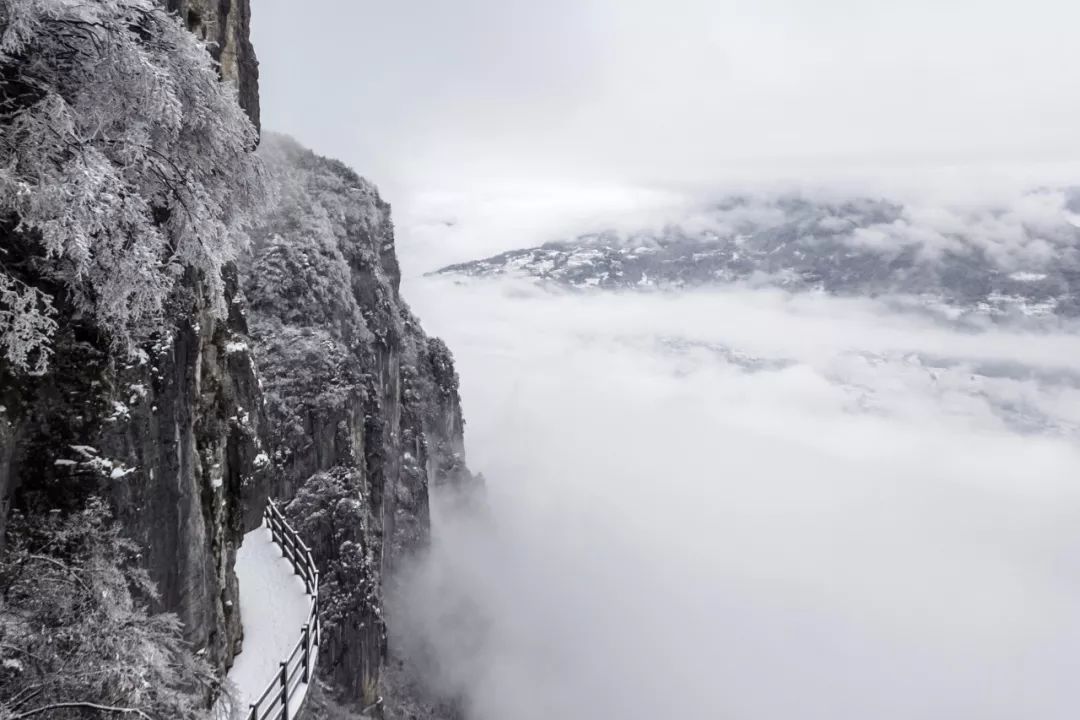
<point x="725" y="503"/>
<point x="748" y="505"/>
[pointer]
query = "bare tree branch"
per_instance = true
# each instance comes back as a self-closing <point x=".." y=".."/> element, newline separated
<point x="84" y="705"/>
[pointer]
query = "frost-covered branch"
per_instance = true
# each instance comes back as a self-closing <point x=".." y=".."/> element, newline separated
<point x="27" y="320"/>
<point x="75" y="631"/>
<point x="81" y="706"/>
<point x="126" y="163"/>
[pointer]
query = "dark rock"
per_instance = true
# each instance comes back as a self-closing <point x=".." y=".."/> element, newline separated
<point x="170" y="437"/>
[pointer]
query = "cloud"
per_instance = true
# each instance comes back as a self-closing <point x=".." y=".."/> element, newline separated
<point x="443" y="227"/>
<point x="753" y="505"/>
<point x="427" y="94"/>
<point x="1030" y="230"/>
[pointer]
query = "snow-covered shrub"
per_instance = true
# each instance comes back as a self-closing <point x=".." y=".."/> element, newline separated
<point x="316" y="260"/>
<point x="124" y="163"/>
<point x="332" y="515"/>
<point x="75" y="631"/>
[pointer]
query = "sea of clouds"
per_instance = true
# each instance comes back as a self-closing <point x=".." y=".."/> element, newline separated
<point x="736" y="503"/>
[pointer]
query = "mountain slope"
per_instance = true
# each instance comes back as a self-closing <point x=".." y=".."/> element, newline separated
<point x="1011" y="261"/>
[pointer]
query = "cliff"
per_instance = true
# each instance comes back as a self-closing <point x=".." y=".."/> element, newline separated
<point x="170" y="437"/>
<point x="315" y="384"/>
<point x="168" y="433"/>
<point x="362" y="407"/>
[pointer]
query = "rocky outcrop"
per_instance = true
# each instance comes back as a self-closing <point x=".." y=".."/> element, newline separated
<point x="226" y="26"/>
<point x="362" y="406"/>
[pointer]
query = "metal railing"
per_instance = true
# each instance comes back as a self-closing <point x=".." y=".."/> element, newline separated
<point x="298" y="668"/>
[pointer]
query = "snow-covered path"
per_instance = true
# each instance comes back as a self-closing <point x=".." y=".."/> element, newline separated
<point x="273" y="606"/>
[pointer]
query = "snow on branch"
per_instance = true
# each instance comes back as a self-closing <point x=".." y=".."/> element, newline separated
<point x="77" y="638"/>
<point x="126" y="163"/>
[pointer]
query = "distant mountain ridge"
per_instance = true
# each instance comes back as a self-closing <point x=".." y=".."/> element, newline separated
<point x="1021" y="260"/>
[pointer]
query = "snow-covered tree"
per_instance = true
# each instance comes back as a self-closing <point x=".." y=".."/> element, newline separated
<point x="124" y="163"/>
<point x="331" y="512"/>
<point x="76" y="637"/>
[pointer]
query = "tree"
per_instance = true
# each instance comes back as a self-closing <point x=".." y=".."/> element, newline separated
<point x="124" y="163"/>
<point x="330" y="511"/>
<point x="76" y="638"/>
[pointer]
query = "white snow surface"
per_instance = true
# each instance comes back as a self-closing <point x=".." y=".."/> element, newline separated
<point x="274" y="606"/>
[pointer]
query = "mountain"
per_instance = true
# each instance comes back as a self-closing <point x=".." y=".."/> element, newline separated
<point x="1013" y="261"/>
<point x="187" y="329"/>
<point x="361" y="406"/>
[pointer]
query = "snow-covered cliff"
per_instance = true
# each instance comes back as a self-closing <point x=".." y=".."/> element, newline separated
<point x="298" y="373"/>
<point x="362" y="407"/>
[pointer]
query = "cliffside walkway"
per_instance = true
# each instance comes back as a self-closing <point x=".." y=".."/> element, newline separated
<point x="279" y="588"/>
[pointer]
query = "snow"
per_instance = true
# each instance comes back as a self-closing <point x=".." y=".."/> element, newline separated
<point x="120" y="412"/>
<point x="138" y="392"/>
<point x="273" y="607"/>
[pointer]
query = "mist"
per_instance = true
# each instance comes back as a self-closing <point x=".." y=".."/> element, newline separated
<point x="728" y="502"/>
<point x="749" y="504"/>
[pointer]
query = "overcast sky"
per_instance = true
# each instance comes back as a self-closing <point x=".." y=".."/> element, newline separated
<point x="417" y="93"/>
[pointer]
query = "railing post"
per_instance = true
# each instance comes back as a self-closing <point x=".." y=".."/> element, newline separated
<point x="254" y="713"/>
<point x="284" y="691"/>
<point x="307" y="653"/>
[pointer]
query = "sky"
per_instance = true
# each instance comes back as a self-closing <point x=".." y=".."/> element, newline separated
<point x="480" y="93"/>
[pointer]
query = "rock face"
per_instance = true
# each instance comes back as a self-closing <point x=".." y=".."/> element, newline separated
<point x="171" y="437"/>
<point x="362" y="406"/>
<point x="226" y="26"/>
